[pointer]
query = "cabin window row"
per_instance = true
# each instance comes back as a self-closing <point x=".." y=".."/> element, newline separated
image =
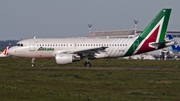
<point x="81" y="44"/>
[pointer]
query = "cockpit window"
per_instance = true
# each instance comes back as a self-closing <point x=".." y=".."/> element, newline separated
<point x="19" y="44"/>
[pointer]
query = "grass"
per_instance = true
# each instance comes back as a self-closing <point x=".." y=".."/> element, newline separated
<point x="107" y="80"/>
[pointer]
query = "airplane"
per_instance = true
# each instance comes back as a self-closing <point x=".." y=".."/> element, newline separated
<point x="5" y="52"/>
<point x="175" y="48"/>
<point x="68" y="50"/>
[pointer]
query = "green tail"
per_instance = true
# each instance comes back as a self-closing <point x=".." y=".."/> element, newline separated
<point x="154" y="32"/>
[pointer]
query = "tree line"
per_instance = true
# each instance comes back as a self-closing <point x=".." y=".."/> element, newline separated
<point x="4" y="43"/>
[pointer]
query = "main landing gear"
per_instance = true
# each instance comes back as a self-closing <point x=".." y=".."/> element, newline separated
<point x="87" y="63"/>
<point x="33" y="62"/>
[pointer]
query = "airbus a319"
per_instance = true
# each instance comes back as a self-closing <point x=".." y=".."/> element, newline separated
<point x="68" y="50"/>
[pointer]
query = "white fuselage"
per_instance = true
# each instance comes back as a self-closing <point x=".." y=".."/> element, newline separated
<point x="49" y="47"/>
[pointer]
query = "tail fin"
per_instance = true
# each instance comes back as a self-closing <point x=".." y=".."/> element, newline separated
<point x="153" y="36"/>
<point x="5" y="52"/>
<point x="176" y="45"/>
<point x="156" y="30"/>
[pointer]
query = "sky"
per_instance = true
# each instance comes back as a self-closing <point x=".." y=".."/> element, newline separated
<point x="23" y="19"/>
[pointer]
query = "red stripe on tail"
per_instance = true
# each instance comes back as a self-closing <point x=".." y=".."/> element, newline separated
<point x="152" y="38"/>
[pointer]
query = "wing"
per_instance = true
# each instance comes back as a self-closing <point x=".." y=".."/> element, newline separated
<point x="83" y="52"/>
<point x="89" y="51"/>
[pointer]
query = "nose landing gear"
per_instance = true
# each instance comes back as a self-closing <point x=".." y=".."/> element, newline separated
<point x="33" y="62"/>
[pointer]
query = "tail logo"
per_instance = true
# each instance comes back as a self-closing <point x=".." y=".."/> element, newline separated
<point x="153" y="36"/>
<point x="5" y="52"/>
<point x="176" y="45"/>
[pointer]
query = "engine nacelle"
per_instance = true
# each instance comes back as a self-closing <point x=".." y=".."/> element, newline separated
<point x="66" y="58"/>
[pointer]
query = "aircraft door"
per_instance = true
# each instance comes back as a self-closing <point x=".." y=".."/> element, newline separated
<point x="31" y="46"/>
<point x="75" y="45"/>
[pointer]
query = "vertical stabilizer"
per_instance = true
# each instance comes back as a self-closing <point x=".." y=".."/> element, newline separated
<point x="176" y="45"/>
<point x="5" y="52"/>
<point x="154" y="33"/>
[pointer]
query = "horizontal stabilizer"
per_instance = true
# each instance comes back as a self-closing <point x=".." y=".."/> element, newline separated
<point x="158" y="44"/>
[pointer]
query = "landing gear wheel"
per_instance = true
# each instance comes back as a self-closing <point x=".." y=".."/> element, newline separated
<point x="33" y="62"/>
<point x="32" y="65"/>
<point x="87" y="64"/>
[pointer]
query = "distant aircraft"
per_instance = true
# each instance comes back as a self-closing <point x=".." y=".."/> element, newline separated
<point x="68" y="50"/>
<point x="175" y="48"/>
<point x="5" y="52"/>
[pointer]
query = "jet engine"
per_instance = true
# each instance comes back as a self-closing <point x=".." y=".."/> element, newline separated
<point x="66" y="58"/>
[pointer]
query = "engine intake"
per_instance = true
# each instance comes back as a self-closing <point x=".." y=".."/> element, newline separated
<point x="66" y="58"/>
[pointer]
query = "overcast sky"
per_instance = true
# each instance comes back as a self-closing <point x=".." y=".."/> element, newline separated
<point x="22" y="19"/>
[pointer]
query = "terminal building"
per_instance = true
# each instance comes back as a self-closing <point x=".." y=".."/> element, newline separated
<point x="127" y="33"/>
<point x="113" y="33"/>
